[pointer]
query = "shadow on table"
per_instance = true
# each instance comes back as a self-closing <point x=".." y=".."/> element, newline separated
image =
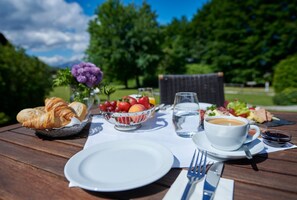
<point x="253" y="162"/>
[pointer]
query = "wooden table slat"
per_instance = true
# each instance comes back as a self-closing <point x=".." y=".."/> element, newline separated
<point x="25" y="182"/>
<point x="51" y="147"/>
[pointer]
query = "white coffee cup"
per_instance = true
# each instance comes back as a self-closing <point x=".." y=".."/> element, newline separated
<point x="229" y="133"/>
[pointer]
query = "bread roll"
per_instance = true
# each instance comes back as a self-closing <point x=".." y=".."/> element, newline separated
<point x="80" y="110"/>
<point x="47" y="120"/>
<point x="28" y="114"/>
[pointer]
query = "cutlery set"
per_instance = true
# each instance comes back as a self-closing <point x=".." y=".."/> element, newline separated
<point x="197" y="171"/>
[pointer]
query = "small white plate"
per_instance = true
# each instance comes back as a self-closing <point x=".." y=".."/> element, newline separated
<point x="204" y="106"/>
<point x="118" y="165"/>
<point x="202" y="143"/>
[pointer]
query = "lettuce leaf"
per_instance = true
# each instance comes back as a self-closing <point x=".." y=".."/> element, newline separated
<point x="239" y="107"/>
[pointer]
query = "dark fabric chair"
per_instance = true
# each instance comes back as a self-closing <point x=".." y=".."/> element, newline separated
<point x="209" y="87"/>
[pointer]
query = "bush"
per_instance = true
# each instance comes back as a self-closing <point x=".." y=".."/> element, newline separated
<point x="287" y="97"/>
<point x="285" y="74"/>
<point x="3" y="118"/>
<point x="198" y="69"/>
<point x="24" y="80"/>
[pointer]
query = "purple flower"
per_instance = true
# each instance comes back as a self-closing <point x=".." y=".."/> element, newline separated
<point x="81" y="79"/>
<point x="87" y="73"/>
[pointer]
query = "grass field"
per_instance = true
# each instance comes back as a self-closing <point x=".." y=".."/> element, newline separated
<point x="253" y="96"/>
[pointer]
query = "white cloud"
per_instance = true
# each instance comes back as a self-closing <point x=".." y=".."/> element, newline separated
<point x="45" y="25"/>
<point x="57" y="59"/>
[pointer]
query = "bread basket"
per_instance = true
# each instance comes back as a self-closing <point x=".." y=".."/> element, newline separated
<point x="66" y="131"/>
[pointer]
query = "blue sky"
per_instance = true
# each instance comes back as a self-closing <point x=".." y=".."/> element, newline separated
<point x="166" y="9"/>
<point x="55" y="30"/>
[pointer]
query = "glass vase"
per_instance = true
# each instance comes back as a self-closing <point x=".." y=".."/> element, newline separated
<point x="89" y="97"/>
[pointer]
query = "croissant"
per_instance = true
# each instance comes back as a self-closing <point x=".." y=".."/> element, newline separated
<point x="60" y="108"/>
<point x="45" y="121"/>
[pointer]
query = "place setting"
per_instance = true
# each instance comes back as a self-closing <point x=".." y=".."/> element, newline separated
<point x="118" y="159"/>
<point x="222" y="138"/>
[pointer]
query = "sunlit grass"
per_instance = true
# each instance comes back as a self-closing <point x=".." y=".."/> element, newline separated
<point x="251" y="99"/>
<point x="62" y="92"/>
<point x="253" y="96"/>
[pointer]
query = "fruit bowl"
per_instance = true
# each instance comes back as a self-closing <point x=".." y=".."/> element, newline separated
<point x="128" y="121"/>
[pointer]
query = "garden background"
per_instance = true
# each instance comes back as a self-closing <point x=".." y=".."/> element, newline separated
<point x="250" y="41"/>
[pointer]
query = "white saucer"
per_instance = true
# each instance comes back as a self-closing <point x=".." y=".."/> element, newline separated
<point x="202" y="143"/>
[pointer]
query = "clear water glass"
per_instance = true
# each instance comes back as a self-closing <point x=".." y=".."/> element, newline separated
<point x="186" y="115"/>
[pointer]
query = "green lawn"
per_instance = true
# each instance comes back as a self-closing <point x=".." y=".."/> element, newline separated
<point x="253" y="96"/>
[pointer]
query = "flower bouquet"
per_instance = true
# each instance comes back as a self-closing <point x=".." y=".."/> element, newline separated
<point x="84" y="80"/>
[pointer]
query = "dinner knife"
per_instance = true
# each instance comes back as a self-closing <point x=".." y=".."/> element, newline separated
<point x="212" y="179"/>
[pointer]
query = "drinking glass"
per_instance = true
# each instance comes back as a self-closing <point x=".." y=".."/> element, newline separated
<point x="148" y="92"/>
<point x="186" y="115"/>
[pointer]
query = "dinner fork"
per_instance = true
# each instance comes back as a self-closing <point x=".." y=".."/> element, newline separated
<point x="196" y="170"/>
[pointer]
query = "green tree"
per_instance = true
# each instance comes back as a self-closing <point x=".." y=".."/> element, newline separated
<point x="244" y="39"/>
<point x="285" y="75"/>
<point x="24" y="80"/>
<point x="125" y="41"/>
<point x="175" y="47"/>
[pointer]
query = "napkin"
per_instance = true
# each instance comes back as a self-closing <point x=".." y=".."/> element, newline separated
<point x="224" y="190"/>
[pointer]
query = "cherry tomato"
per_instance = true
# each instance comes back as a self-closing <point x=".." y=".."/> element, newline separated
<point x="144" y="100"/>
<point x="107" y="103"/>
<point x="110" y="109"/>
<point x="117" y="109"/>
<point x="113" y="104"/>
<point x="102" y="107"/>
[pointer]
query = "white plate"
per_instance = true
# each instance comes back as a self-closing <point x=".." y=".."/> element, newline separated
<point x="118" y="165"/>
<point x="202" y="142"/>
<point x="203" y="106"/>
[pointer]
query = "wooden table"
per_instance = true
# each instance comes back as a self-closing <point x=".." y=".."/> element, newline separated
<point x="32" y="168"/>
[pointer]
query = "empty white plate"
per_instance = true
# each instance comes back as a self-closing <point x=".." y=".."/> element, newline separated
<point x="118" y="165"/>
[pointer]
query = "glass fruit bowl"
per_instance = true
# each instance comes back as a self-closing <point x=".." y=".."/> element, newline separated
<point x="128" y="121"/>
